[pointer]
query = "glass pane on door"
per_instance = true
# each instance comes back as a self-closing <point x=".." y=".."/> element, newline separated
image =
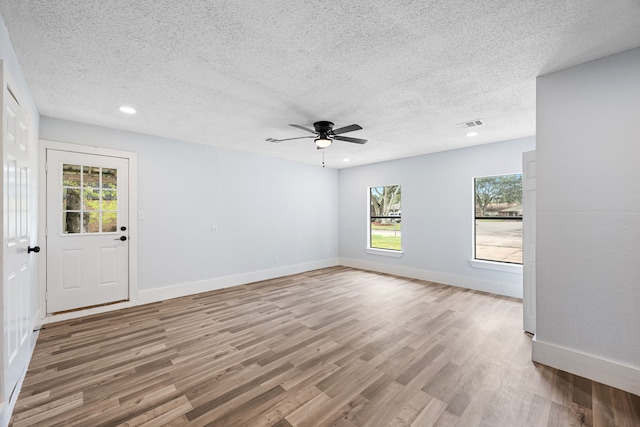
<point x="71" y="175"/>
<point x="91" y="176"/>
<point x="109" y="178"/>
<point x="71" y="223"/>
<point x="89" y="199"/>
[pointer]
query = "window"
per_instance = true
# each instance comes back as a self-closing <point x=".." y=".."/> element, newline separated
<point x="89" y="199"/>
<point x="498" y="218"/>
<point x="385" y="225"/>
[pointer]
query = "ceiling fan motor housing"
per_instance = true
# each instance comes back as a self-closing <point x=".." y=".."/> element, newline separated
<point x="323" y="127"/>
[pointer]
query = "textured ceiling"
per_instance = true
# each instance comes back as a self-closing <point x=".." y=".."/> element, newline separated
<point x="233" y="73"/>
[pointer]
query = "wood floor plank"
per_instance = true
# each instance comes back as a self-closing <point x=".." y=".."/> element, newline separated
<point x="276" y="411"/>
<point x="332" y="347"/>
<point x="431" y="413"/>
<point x="161" y="415"/>
<point x="602" y="406"/>
<point x="49" y="410"/>
<point x="623" y="405"/>
<point x="411" y="409"/>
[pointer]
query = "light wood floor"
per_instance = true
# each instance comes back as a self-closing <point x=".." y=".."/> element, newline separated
<point x="337" y="346"/>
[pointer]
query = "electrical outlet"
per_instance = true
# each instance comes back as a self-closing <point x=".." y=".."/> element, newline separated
<point x="214" y="229"/>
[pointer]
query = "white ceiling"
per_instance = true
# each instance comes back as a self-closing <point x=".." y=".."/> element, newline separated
<point x="231" y="73"/>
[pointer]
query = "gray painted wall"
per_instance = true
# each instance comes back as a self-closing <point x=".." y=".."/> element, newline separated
<point x="437" y="214"/>
<point x="588" y="194"/>
<point x="8" y="55"/>
<point x="262" y="207"/>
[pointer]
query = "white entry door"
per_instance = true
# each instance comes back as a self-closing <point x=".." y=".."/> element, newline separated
<point x="529" y="240"/>
<point x="87" y="230"/>
<point x="19" y="259"/>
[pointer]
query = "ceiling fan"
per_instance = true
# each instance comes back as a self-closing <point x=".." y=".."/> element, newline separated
<point x="324" y="134"/>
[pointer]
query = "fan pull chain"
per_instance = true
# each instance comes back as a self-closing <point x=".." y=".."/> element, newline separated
<point x="322" y="158"/>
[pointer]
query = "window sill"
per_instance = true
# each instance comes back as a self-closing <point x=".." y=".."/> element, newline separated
<point x="384" y="252"/>
<point x="497" y="266"/>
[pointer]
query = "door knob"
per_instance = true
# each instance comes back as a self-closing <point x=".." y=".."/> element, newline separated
<point x="123" y="238"/>
<point x="35" y="249"/>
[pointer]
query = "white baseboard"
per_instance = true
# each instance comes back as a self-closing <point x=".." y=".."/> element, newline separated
<point x="147" y="296"/>
<point x="505" y="289"/>
<point x="176" y="291"/>
<point x="604" y="371"/>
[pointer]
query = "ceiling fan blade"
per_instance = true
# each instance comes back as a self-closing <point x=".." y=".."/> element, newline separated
<point x="346" y="129"/>
<point x="303" y="128"/>
<point x="287" y="139"/>
<point x="348" y="139"/>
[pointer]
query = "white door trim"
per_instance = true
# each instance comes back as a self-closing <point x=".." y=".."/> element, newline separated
<point x="529" y="241"/>
<point x="133" y="226"/>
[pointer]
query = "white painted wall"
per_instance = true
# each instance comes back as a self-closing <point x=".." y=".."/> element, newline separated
<point x="8" y="55"/>
<point x="437" y="214"/>
<point x="588" y="274"/>
<point x="262" y="207"/>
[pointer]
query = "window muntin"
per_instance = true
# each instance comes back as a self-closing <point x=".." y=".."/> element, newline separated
<point x="385" y="220"/>
<point x="89" y="199"/>
<point x="498" y="218"/>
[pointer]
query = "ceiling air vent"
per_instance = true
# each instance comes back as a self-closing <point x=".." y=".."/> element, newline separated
<point x="470" y="124"/>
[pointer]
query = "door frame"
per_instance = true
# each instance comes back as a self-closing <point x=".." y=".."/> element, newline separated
<point x="529" y="242"/>
<point x="133" y="227"/>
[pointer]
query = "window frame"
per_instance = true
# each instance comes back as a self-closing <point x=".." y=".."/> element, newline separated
<point x="375" y="250"/>
<point x="492" y="264"/>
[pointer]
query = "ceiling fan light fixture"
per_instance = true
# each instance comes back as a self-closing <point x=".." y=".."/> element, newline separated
<point x="323" y="141"/>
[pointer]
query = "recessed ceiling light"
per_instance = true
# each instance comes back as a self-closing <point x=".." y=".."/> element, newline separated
<point x="472" y="134"/>
<point x="128" y="110"/>
<point x="346" y="160"/>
